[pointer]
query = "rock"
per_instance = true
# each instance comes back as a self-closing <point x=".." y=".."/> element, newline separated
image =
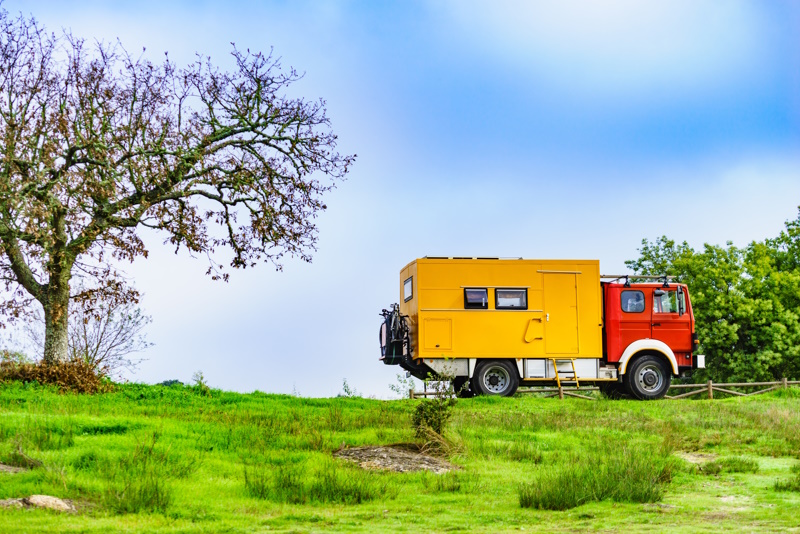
<point x="39" y="501"/>
<point x="11" y="503"/>
<point x="10" y="469"/>
<point x="51" y="503"/>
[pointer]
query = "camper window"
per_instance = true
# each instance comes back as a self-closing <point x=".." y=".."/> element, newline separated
<point x="632" y="301"/>
<point x="476" y="298"/>
<point x="511" y="299"/>
<point x="407" y="290"/>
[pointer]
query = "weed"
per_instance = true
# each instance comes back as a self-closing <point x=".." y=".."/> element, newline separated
<point x="199" y="384"/>
<point x="348" y="390"/>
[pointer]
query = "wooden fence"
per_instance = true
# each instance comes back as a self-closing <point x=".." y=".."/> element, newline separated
<point x="707" y="388"/>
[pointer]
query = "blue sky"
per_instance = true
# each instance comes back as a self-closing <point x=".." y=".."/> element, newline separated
<point x="535" y="129"/>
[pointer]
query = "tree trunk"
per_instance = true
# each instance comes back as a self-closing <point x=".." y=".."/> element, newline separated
<point x="56" y="327"/>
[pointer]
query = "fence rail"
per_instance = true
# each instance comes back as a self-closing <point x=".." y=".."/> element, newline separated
<point x="695" y="389"/>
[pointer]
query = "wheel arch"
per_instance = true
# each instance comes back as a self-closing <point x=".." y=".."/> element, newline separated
<point x="653" y="347"/>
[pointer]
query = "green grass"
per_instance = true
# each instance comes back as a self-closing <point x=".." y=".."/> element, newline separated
<point x="172" y="459"/>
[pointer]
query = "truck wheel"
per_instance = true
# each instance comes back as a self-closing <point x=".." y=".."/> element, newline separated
<point x="495" y="377"/>
<point x="648" y="378"/>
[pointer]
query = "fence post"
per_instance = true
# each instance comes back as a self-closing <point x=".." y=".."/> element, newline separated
<point x="411" y="393"/>
<point x="785" y="382"/>
<point x="710" y="390"/>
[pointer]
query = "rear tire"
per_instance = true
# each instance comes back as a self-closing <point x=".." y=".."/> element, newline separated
<point x="648" y="378"/>
<point x="495" y="377"/>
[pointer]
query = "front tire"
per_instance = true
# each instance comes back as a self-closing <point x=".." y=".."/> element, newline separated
<point x="648" y="378"/>
<point x="495" y="377"/>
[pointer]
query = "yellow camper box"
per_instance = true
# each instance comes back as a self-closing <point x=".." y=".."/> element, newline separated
<point x="503" y="308"/>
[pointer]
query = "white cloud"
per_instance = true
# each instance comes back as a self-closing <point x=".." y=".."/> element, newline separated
<point x="616" y="45"/>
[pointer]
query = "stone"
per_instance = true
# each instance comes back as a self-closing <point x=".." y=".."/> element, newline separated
<point x="49" y="502"/>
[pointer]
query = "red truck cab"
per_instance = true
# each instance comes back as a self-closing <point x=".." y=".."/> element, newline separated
<point x="648" y="318"/>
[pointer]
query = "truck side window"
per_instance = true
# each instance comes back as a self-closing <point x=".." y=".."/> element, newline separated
<point x="407" y="290"/>
<point x="666" y="303"/>
<point x="632" y="301"/>
<point x="476" y="298"/>
<point x="511" y="299"/>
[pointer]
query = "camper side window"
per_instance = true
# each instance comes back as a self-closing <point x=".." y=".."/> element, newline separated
<point x="632" y="301"/>
<point x="511" y="299"/>
<point x="476" y="298"/>
<point x="407" y="290"/>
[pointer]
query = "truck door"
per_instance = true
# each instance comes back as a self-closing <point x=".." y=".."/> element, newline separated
<point x="634" y="323"/>
<point x="561" y="313"/>
<point x="670" y="323"/>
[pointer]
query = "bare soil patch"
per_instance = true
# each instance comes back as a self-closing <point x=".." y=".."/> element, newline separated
<point x="401" y="458"/>
<point x="10" y="469"/>
<point x="697" y="458"/>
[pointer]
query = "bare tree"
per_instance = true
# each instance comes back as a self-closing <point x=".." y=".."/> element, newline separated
<point x="97" y="143"/>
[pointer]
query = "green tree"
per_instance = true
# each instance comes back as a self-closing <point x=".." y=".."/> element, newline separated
<point x="746" y="301"/>
<point x="97" y="144"/>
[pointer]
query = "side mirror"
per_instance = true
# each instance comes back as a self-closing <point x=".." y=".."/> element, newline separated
<point x="681" y="302"/>
<point x="658" y="292"/>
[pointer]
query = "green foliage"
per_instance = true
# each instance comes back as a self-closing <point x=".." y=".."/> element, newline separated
<point x="630" y="473"/>
<point x="746" y="302"/>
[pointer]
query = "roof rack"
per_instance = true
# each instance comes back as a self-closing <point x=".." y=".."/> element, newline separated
<point x="615" y="277"/>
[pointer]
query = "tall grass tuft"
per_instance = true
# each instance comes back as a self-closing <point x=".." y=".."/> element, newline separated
<point x="330" y="483"/>
<point x="793" y="484"/>
<point x="142" y="481"/>
<point x="733" y="464"/>
<point x="628" y="474"/>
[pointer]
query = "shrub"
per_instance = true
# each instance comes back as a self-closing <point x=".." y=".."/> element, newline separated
<point x="433" y="414"/>
<point x="73" y="375"/>
<point x="632" y="474"/>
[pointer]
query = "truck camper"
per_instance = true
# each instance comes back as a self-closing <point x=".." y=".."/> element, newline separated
<point x="494" y="324"/>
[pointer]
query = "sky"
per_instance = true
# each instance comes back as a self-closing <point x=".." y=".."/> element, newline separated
<point x="564" y="129"/>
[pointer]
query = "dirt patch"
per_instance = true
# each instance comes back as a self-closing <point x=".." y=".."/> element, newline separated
<point x="11" y="469"/>
<point x="400" y="458"/>
<point x="697" y="458"/>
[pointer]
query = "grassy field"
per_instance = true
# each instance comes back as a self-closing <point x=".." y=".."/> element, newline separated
<point x="172" y="459"/>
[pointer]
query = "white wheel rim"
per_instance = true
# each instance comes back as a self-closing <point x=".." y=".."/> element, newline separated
<point x="496" y="379"/>
<point x="650" y="378"/>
